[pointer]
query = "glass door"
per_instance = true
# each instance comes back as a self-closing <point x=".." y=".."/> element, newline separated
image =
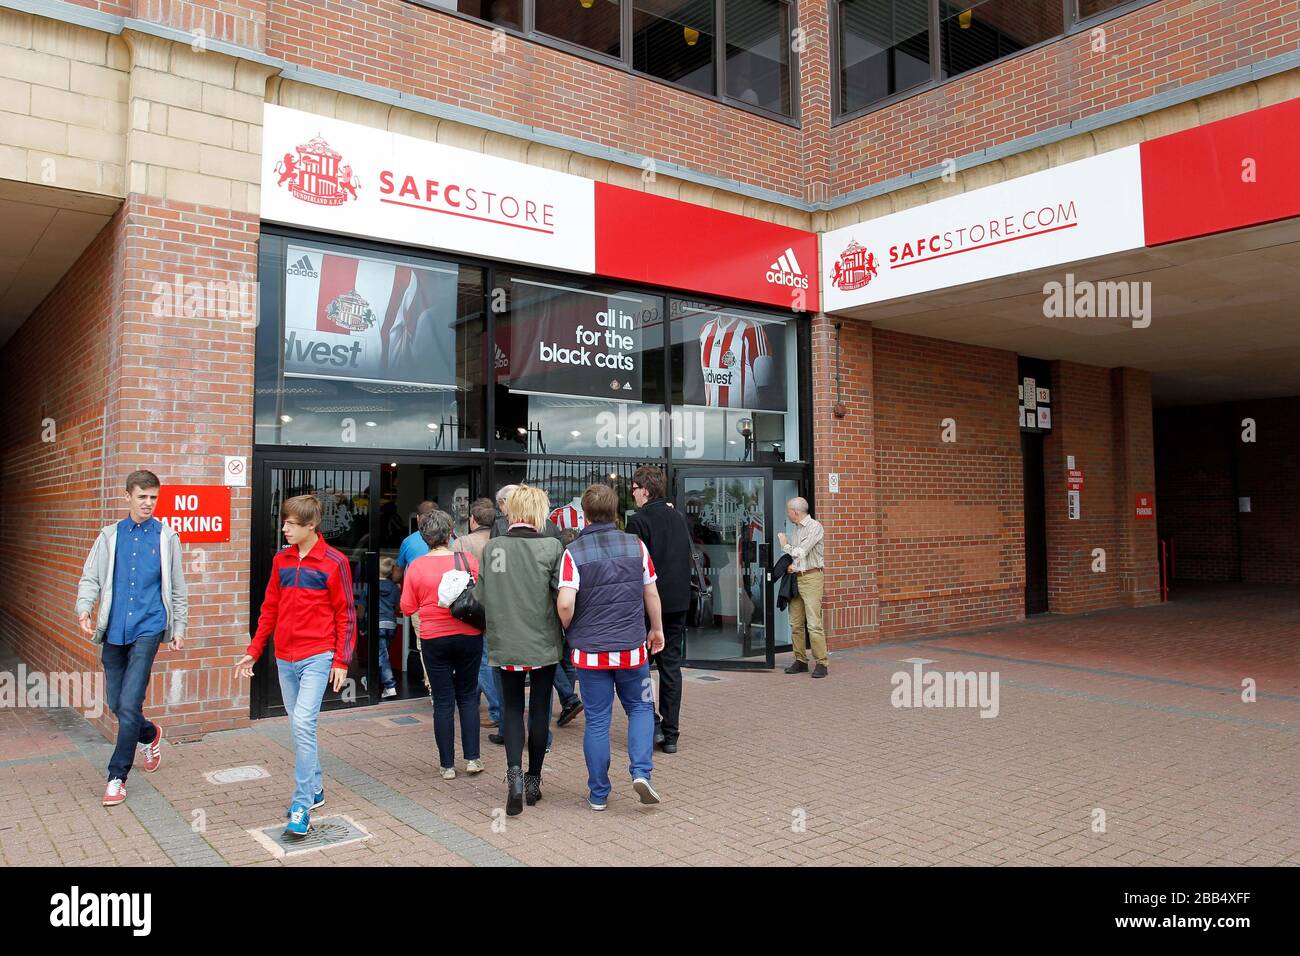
<point x="351" y="505"/>
<point x="729" y="514"/>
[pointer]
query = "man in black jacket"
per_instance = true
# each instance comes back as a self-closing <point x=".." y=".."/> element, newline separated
<point x="668" y="539"/>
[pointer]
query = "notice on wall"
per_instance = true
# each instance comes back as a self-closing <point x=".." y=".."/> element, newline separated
<point x="1144" y="508"/>
<point x="1074" y="479"/>
<point x="198" y="513"/>
<point x="566" y="341"/>
<point x="1074" y="505"/>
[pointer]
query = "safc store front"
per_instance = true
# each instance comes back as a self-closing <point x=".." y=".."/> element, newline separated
<point x="437" y="323"/>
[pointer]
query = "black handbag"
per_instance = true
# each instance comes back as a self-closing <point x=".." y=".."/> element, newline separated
<point x="700" y="612"/>
<point x="466" y="607"/>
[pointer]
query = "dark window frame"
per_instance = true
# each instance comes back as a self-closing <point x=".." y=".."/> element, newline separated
<point x="1073" y="25"/>
<point x="624" y="63"/>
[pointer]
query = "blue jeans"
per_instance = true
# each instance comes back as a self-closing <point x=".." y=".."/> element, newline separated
<point x="126" y="680"/>
<point x="489" y="686"/>
<point x="385" y="666"/>
<point x="636" y="693"/>
<point x="302" y="685"/>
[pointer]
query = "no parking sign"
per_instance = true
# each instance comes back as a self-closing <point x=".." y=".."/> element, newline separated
<point x="198" y="513"/>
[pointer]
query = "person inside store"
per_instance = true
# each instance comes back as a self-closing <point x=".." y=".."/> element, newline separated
<point x="668" y="539"/>
<point x="451" y="648"/>
<point x="502" y="524"/>
<point x="524" y="640"/>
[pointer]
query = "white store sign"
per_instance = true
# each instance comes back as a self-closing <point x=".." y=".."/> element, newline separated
<point x="1084" y="209"/>
<point x="341" y="177"/>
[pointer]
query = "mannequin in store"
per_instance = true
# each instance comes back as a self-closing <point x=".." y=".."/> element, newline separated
<point x="570" y="515"/>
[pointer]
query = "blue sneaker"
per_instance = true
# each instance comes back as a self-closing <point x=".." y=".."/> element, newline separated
<point x="299" y="821"/>
<point x="318" y="800"/>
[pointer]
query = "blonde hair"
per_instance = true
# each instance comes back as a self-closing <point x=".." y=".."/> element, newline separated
<point x="529" y="505"/>
<point x="386" y="566"/>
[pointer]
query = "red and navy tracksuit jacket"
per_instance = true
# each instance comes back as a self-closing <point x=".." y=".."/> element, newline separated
<point x="308" y="606"/>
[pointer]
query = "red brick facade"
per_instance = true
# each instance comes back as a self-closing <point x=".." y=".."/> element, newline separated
<point x="128" y="388"/>
<point x="1204" y="465"/>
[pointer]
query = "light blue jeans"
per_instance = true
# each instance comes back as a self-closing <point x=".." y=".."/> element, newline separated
<point x="302" y="685"/>
<point x="598" y="688"/>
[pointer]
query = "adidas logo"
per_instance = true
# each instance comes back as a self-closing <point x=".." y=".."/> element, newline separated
<point x="786" y="271"/>
<point x="303" y="268"/>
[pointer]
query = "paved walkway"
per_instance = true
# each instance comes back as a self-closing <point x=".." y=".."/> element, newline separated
<point x="1120" y="737"/>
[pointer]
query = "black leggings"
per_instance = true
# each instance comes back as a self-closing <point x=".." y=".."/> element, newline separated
<point x="539" y="715"/>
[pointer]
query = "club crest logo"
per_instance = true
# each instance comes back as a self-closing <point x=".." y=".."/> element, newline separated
<point x="350" y="312"/>
<point x="855" y="268"/>
<point x="317" y="174"/>
<point x="728" y="359"/>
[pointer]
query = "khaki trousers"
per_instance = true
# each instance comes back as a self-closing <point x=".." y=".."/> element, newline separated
<point x="806" y="618"/>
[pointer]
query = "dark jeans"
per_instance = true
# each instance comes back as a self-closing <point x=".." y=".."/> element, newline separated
<point x="539" y="715"/>
<point x="452" y="663"/>
<point x="126" y="680"/>
<point x="669" y="662"/>
<point x="566" y="675"/>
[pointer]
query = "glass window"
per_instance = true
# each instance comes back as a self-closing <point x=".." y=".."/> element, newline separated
<point x="673" y="40"/>
<point x="1088" y="8"/>
<point x="502" y="13"/>
<point x="757" y="33"/>
<point x="735" y="384"/>
<point x="593" y="24"/>
<point x="579" y="369"/>
<point x="975" y="32"/>
<point x="564" y="481"/>
<point x="884" y="48"/>
<point x="368" y="349"/>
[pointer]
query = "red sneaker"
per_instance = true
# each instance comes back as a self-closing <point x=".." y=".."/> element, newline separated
<point x="153" y="751"/>
<point x="115" y="792"/>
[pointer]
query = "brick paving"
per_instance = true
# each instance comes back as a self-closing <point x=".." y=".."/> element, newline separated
<point x="1137" y="713"/>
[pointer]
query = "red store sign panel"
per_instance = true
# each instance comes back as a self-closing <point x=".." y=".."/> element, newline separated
<point x="646" y="238"/>
<point x="1144" y="507"/>
<point x="198" y="513"/>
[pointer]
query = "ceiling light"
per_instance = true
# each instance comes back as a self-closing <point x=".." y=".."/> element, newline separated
<point x="576" y="434"/>
<point x="371" y="424"/>
<point x="691" y="35"/>
<point x="964" y="18"/>
<point x="286" y="418"/>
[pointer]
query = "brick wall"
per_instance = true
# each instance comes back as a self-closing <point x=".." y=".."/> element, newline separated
<point x="415" y="50"/>
<point x="57" y="371"/>
<point x="133" y="380"/>
<point x="1204" y="466"/>
<point x="1151" y="50"/>
<point x="1103" y="418"/>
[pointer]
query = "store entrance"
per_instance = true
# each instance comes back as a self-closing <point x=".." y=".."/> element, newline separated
<point x="730" y="514"/>
<point x="368" y="510"/>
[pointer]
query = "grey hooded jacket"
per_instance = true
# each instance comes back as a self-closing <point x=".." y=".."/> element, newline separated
<point x="97" y="581"/>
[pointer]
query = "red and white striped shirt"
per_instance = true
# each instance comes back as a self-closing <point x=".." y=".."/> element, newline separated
<point x="608" y="660"/>
<point x="568" y="516"/>
<point x="730" y="347"/>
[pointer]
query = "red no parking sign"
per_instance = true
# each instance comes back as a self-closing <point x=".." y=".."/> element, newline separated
<point x="198" y="513"/>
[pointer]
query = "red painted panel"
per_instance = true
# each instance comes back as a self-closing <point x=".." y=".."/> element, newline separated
<point x="646" y="238"/>
<point x="1225" y="175"/>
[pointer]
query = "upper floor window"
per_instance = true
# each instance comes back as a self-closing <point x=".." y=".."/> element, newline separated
<point x="737" y="51"/>
<point x="888" y="47"/>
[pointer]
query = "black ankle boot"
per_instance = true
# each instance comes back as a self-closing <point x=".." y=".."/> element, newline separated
<point x="532" y="787"/>
<point x="514" y="792"/>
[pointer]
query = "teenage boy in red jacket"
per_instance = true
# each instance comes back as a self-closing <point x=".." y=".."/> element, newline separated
<point x="309" y="609"/>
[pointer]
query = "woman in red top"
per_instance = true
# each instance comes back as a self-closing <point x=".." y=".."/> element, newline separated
<point x="452" y="649"/>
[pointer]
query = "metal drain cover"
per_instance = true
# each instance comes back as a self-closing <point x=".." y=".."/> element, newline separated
<point x="707" y="679"/>
<point x="403" y="721"/>
<point x="236" y="774"/>
<point x="325" y="832"/>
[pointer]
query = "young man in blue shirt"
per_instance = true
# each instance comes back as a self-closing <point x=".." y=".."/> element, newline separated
<point x="135" y="571"/>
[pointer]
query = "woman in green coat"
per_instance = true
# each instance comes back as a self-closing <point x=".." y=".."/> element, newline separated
<point x="517" y="580"/>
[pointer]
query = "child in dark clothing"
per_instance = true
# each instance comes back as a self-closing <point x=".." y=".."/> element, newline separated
<point x="390" y="593"/>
